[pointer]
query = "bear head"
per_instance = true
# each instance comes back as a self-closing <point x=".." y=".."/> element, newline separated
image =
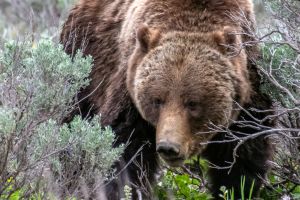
<point x="187" y="86"/>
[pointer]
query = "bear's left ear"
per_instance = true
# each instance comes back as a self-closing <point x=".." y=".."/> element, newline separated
<point x="228" y="40"/>
<point x="147" y="38"/>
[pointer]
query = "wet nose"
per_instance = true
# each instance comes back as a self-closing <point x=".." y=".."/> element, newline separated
<point x="166" y="149"/>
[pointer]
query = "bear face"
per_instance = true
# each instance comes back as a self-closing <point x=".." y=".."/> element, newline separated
<point x="182" y="84"/>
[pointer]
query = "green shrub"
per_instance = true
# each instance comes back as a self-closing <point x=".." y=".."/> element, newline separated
<point x="179" y="184"/>
<point x="37" y="85"/>
<point x="280" y="70"/>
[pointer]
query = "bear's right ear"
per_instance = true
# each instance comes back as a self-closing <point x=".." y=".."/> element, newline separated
<point x="228" y="40"/>
<point x="147" y="38"/>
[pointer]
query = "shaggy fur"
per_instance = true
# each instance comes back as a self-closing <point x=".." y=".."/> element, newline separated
<point x="163" y="71"/>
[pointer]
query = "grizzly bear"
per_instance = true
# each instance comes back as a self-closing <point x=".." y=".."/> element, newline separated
<point x="173" y="80"/>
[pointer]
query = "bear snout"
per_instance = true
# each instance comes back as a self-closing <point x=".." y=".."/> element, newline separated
<point x="170" y="153"/>
<point x="173" y="136"/>
<point x="166" y="149"/>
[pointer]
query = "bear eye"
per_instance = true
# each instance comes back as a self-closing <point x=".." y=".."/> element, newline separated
<point x="192" y="105"/>
<point x="157" y="102"/>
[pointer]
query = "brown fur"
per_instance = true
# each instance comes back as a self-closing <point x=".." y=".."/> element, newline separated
<point x="169" y="66"/>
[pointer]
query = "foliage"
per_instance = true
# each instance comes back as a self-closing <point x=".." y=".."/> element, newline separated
<point x="276" y="64"/>
<point x="228" y="193"/>
<point x="128" y="192"/>
<point x="37" y="86"/>
<point x="180" y="184"/>
<point x="280" y="68"/>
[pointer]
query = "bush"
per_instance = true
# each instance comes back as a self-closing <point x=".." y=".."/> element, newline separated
<point x="280" y="68"/>
<point x="39" y="154"/>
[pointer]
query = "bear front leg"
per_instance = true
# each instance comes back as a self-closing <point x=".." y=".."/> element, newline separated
<point x="138" y="164"/>
<point x="135" y="171"/>
<point x="251" y="163"/>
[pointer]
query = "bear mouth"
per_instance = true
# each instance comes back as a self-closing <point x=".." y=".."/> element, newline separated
<point x="173" y="162"/>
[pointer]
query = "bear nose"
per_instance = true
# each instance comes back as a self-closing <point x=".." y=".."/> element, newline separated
<point x="169" y="150"/>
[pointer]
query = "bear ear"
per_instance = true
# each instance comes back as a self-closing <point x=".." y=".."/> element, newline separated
<point x="228" y="40"/>
<point x="147" y="38"/>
